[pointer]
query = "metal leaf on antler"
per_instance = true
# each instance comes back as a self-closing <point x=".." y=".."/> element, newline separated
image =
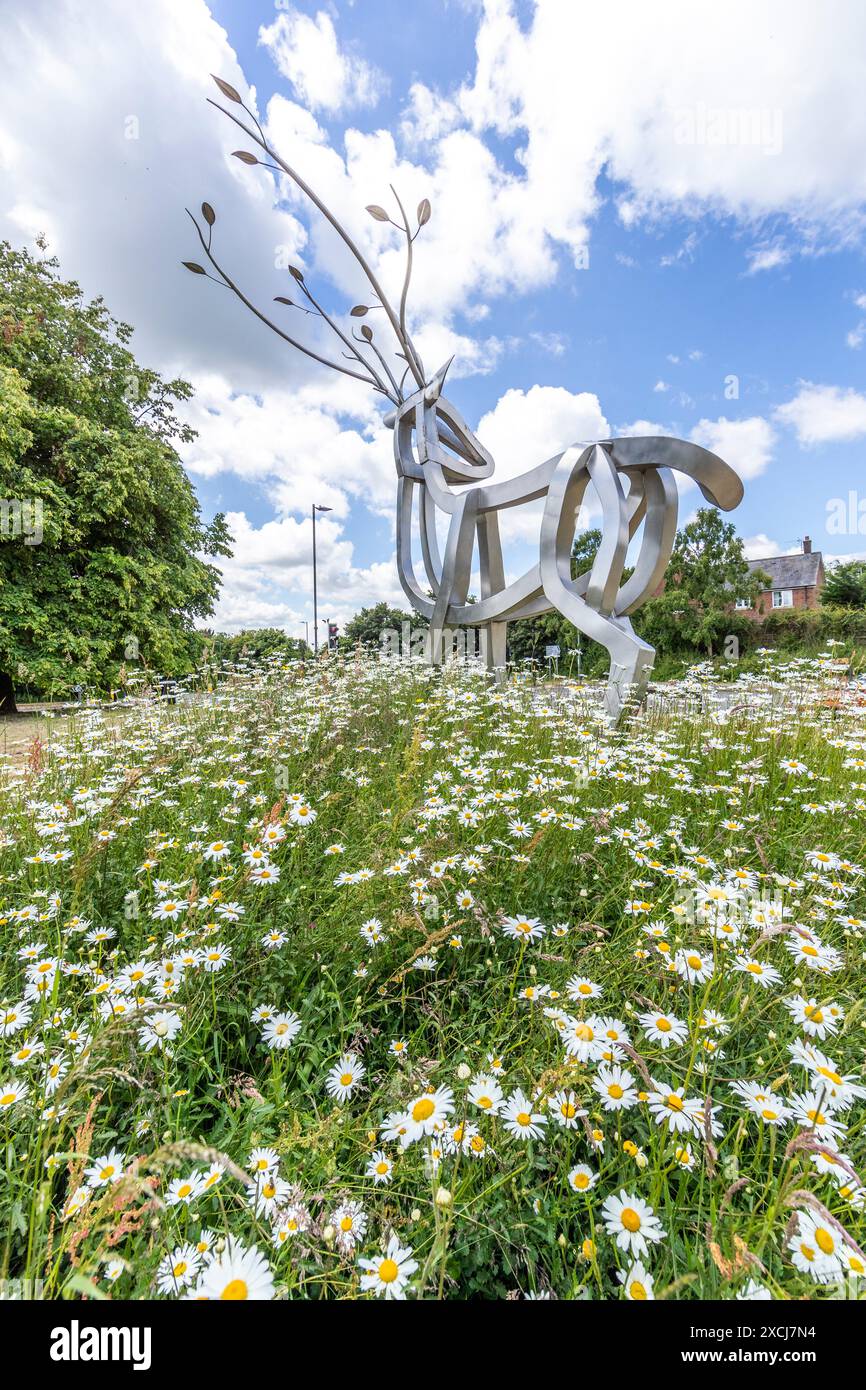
<point x="442" y="468"/>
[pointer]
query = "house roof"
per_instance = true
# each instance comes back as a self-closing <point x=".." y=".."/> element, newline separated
<point x="790" y="571"/>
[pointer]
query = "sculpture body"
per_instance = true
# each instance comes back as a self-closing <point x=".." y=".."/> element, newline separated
<point x="442" y="467"/>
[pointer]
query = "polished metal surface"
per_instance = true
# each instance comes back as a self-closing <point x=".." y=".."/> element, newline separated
<point x="435" y="452"/>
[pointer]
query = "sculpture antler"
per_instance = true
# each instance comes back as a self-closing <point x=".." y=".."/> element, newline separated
<point x="380" y="376"/>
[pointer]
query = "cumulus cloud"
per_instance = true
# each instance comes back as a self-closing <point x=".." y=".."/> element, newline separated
<point x="760" y="547"/>
<point x="747" y="445"/>
<point x="824" y="414"/>
<point x="325" y="75"/>
<point x="271" y="568"/>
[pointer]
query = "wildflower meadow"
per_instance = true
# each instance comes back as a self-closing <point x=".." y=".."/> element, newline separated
<point x="353" y="979"/>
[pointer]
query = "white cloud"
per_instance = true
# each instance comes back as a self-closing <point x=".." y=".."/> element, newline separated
<point x="662" y="386"/>
<point x="325" y="76"/>
<point x="767" y="258"/>
<point x="760" y="547"/>
<point x="824" y="414"/>
<point x="747" y="445"/>
<point x="527" y="427"/>
<point x="273" y="562"/>
<point x="293" y="445"/>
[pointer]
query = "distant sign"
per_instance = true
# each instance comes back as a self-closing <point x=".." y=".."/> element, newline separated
<point x="552" y="653"/>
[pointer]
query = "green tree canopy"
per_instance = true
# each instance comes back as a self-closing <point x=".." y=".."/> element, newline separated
<point x="707" y="574"/>
<point x="845" y="586"/>
<point x="252" y="645"/>
<point x="368" y="625"/>
<point x="102" y="541"/>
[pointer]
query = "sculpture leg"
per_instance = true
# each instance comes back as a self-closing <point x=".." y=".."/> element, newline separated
<point x="630" y="659"/>
<point x="628" y="680"/>
<point x="493" y="642"/>
<point x="456" y="567"/>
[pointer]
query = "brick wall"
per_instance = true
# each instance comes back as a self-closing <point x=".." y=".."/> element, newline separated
<point x="805" y="596"/>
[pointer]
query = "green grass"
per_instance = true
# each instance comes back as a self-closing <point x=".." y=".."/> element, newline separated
<point x="366" y="746"/>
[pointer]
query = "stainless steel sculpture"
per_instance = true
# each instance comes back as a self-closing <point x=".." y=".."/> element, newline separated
<point x="443" y="469"/>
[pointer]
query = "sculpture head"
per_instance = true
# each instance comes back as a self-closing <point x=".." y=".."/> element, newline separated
<point x="429" y="430"/>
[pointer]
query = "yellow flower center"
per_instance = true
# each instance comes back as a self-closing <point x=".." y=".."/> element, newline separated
<point x="235" y="1289"/>
<point x="831" y="1075"/>
<point x="825" y="1241"/>
<point x="663" y="1025"/>
<point x="615" y="1091"/>
<point x="636" y="1289"/>
<point x="421" y="1110"/>
<point x="388" y="1271"/>
<point x="630" y="1219"/>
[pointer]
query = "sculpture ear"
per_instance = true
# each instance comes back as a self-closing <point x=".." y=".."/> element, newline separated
<point x="433" y="389"/>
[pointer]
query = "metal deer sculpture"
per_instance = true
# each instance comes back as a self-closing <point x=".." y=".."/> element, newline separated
<point x="443" y="470"/>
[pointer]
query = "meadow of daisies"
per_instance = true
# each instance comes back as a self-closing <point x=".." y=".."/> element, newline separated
<point x="352" y="980"/>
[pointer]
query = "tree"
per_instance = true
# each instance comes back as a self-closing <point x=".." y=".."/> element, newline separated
<point x="707" y="574"/>
<point x="253" y="645"/>
<point x="367" y="626"/>
<point x="101" y="541"/>
<point x="845" y="586"/>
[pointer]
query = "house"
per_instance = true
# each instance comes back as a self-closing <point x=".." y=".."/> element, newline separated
<point x="796" y="581"/>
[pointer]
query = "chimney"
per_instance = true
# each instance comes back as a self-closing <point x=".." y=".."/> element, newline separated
<point x="807" y="545"/>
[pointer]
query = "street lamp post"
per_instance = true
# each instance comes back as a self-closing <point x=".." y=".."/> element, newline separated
<point x="316" y="508"/>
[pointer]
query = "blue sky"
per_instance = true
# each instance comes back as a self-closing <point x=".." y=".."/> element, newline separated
<point x="641" y="223"/>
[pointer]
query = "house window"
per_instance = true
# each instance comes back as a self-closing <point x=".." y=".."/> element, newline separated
<point x="783" y="598"/>
<point x="743" y="603"/>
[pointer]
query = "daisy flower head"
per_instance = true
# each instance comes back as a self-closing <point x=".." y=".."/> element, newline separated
<point x="388" y="1274"/>
<point x="486" y="1093"/>
<point x="564" y="1108"/>
<point x="520" y="1119"/>
<point x="616" y="1087"/>
<point x="184" y="1191"/>
<point x="345" y="1076"/>
<point x="11" y="1093"/>
<point x="663" y="1028"/>
<point x="426" y="1115"/>
<point x="178" y="1269"/>
<point x="380" y="1168"/>
<point x="350" y="1223"/>
<point x="637" y="1283"/>
<point x="580" y="988"/>
<point x="632" y="1222"/>
<point x="582" y="1178"/>
<point x="280" y="1031"/>
<point x="240" y="1272"/>
<point x="104" y="1170"/>
<point x="523" y="928"/>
